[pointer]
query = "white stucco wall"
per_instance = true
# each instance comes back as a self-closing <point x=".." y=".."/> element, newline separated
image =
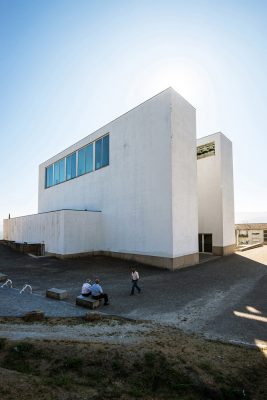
<point x="184" y="177"/>
<point x="215" y="191"/>
<point x="227" y="191"/>
<point x="63" y="232"/>
<point x="134" y="191"/>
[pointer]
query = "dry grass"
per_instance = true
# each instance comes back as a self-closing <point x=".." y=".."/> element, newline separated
<point x="169" y="365"/>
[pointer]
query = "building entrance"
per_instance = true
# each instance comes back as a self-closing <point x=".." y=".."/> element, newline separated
<point x="205" y="243"/>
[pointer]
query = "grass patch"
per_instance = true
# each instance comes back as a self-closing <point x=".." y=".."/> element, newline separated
<point x="157" y="374"/>
<point x="2" y="343"/>
<point x="60" y="380"/>
<point x="22" y="348"/>
<point x="206" y="366"/>
<point x="132" y="372"/>
<point x="73" y="363"/>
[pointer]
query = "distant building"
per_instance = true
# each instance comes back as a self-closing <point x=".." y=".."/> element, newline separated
<point x="249" y="234"/>
<point x="136" y="189"/>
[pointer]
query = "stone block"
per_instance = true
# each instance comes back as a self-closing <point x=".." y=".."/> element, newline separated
<point x="58" y="294"/>
<point x="88" y="302"/>
<point x="3" y="277"/>
<point x="36" y="315"/>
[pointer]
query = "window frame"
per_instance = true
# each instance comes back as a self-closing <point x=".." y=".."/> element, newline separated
<point x="101" y="139"/>
<point x="70" y="157"/>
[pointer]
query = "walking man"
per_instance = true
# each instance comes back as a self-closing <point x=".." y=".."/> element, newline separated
<point x="135" y="279"/>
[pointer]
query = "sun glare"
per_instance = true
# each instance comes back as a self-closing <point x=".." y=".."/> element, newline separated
<point x="190" y="80"/>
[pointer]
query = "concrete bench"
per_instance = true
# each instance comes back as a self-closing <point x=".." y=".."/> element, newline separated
<point x="3" y="277"/>
<point x="88" y="302"/>
<point x="36" y="315"/>
<point x="58" y="294"/>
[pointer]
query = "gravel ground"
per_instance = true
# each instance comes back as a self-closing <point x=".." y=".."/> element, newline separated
<point x="223" y="298"/>
<point x="15" y="304"/>
<point x="114" y="332"/>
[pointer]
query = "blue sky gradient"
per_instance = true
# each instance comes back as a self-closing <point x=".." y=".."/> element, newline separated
<point x="69" y="67"/>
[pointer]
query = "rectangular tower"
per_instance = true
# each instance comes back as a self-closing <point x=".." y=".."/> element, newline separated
<point x="215" y="194"/>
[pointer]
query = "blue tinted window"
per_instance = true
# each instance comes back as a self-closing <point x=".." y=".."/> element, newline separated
<point x="49" y="176"/>
<point x="62" y="170"/>
<point x="68" y="167"/>
<point x="56" y="173"/>
<point x="102" y="152"/>
<point x="81" y="161"/>
<point x="65" y="168"/>
<point x="89" y="158"/>
<point x="98" y="153"/>
<point x="105" y="154"/>
<point x="71" y="166"/>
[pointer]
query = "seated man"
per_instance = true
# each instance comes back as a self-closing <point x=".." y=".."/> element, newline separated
<point x="97" y="292"/>
<point x="86" y="288"/>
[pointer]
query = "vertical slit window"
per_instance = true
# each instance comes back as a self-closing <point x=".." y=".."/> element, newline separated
<point x="71" y="166"/>
<point x="105" y="153"/>
<point x="81" y="161"/>
<point x="102" y="152"/>
<point x="56" y="173"/>
<point x="49" y="176"/>
<point x="62" y="170"/>
<point x="89" y="158"/>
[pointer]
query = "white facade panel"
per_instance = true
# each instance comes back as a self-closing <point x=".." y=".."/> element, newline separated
<point x="215" y="191"/>
<point x="227" y="191"/>
<point x="134" y="191"/>
<point x="184" y="177"/>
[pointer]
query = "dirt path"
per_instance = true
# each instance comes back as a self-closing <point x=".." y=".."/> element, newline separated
<point x="113" y="331"/>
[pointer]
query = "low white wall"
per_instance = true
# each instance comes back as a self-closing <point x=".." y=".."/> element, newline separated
<point x="62" y="232"/>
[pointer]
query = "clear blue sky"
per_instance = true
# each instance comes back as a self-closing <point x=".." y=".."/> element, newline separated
<point x="69" y="67"/>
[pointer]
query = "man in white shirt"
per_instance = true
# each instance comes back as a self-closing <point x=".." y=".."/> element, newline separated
<point x="97" y="292"/>
<point x="135" y="279"/>
<point x="86" y="288"/>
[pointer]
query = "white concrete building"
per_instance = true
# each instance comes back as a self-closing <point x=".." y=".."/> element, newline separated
<point x="130" y="190"/>
<point x="215" y="194"/>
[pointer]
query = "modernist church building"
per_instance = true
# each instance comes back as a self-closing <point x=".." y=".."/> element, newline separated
<point x="140" y="188"/>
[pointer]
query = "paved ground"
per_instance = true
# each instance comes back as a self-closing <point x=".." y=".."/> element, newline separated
<point x="223" y="298"/>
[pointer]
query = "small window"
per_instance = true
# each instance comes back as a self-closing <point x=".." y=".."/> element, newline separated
<point x="49" y="176"/>
<point x="102" y="152"/>
<point x="62" y="170"/>
<point x="71" y="166"/>
<point x="81" y="161"/>
<point x="206" y="150"/>
<point x="56" y="173"/>
<point x="89" y="158"/>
